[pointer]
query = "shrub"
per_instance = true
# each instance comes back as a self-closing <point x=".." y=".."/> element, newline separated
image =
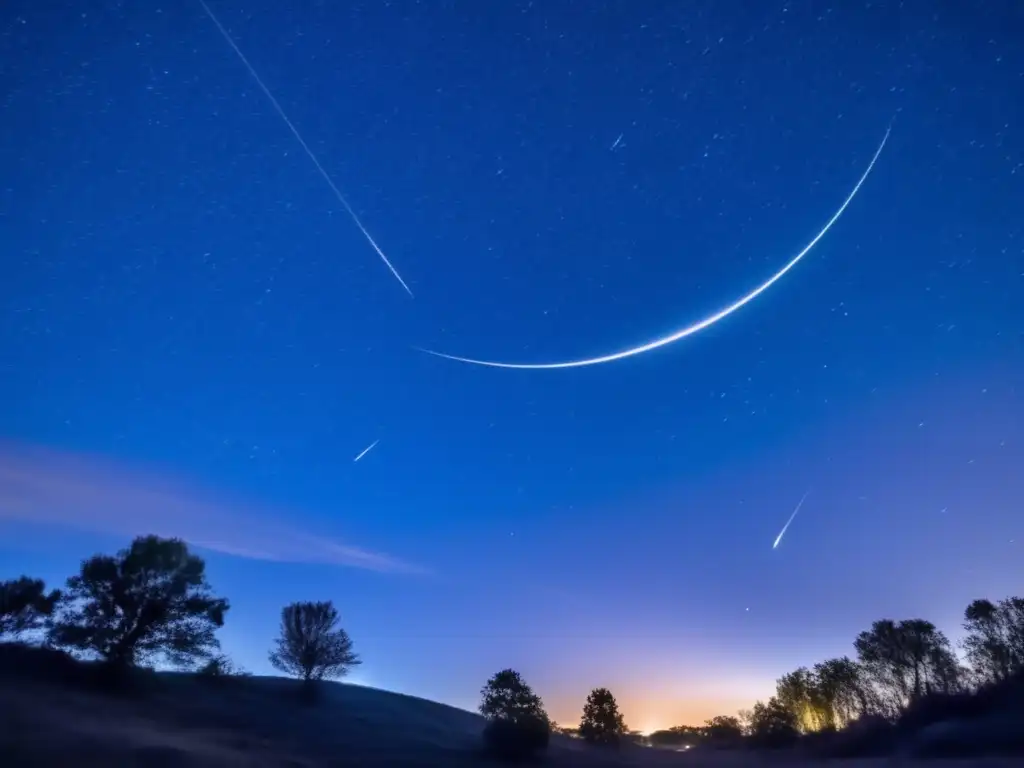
<point x="867" y="736"/>
<point x="987" y="736"/>
<point x="781" y="738"/>
<point x="221" y="668"/>
<point x="938" y="707"/>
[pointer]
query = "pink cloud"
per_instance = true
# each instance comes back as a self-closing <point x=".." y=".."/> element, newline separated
<point x="48" y="487"/>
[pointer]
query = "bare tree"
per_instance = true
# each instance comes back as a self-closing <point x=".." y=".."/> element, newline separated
<point x="312" y="646"/>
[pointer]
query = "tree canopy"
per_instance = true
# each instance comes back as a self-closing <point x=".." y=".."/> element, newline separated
<point x="723" y="728"/>
<point x="25" y="606"/>
<point x="517" y="725"/>
<point x="994" y="644"/>
<point x="842" y="693"/>
<point x="506" y="696"/>
<point x="799" y="693"/>
<point x="602" y="723"/>
<point x="311" y="645"/>
<point x="148" y="601"/>
<point x="907" y="659"/>
<point x="773" y="722"/>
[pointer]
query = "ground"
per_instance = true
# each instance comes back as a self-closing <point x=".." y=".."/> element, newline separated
<point x="190" y="723"/>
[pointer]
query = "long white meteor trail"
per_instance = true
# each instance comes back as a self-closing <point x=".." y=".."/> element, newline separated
<point x="701" y="324"/>
<point x="365" y="451"/>
<point x="298" y="137"/>
<point x="791" y="518"/>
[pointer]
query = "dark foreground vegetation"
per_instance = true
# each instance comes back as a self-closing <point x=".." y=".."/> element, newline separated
<point x="906" y="691"/>
<point x="78" y="688"/>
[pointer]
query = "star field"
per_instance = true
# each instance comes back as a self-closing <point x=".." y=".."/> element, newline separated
<point x="198" y="339"/>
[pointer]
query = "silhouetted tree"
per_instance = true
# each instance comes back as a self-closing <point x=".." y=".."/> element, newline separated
<point x="744" y="717"/>
<point x="148" y="601"/>
<point x="905" y="678"/>
<point x="311" y="645"/>
<point x="842" y="692"/>
<point x="506" y="696"/>
<point x="994" y="644"/>
<point x="945" y="673"/>
<point x="798" y="692"/>
<point x="25" y="606"/>
<point x="773" y="724"/>
<point x="602" y="723"/>
<point x="517" y="725"/>
<point x="723" y="728"/>
<point x="905" y="660"/>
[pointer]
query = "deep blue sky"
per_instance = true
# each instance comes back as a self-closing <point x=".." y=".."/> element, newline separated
<point x="197" y="340"/>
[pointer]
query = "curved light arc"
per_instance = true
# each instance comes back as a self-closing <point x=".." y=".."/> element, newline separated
<point x="689" y="330"/>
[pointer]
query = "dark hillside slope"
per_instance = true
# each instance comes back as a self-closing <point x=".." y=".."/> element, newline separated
<point x="59" y="713"/>
<point x="55" y="712"/>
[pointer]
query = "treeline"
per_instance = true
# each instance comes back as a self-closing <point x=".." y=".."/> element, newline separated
<point x="151" y="603"/>
<point x="899" y="668"/>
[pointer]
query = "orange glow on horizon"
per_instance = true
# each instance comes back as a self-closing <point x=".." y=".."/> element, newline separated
<point x="652" y="713"/>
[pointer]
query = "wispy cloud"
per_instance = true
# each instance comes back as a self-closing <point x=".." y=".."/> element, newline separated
<point x="43" y="486"/>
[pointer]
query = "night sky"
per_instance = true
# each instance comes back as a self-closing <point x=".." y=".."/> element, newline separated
<point x="197" y="340"/>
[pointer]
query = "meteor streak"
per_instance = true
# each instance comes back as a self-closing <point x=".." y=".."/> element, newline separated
<point x="701" y="324"/>
<point x="365" y="451"/>
<point x="298" y="137"/>
<point x="791" y="517"/>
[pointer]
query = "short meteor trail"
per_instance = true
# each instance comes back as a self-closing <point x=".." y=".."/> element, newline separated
<point x="365" y="451"/>
<point x="791" y="517"/>
<point x="304" y="145"/>
<point x="701" y="324"/>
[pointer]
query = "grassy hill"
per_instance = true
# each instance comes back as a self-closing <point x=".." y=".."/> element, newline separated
<point x="59" y="713"/>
